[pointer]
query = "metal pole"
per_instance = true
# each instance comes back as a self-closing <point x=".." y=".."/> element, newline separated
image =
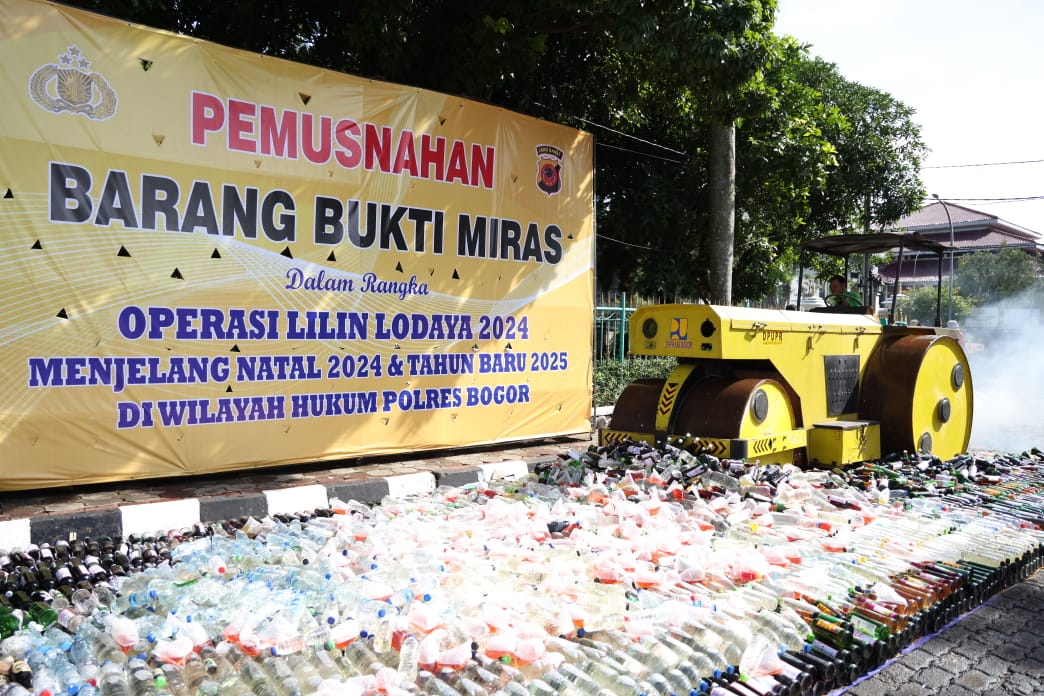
<point x="949" y="309"/>
<point x="621" y="333"/>
<point x="898" y="275"/>
<point x="801" y="278"/>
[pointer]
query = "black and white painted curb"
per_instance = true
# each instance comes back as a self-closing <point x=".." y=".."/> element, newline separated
<point x="150" y="518"/>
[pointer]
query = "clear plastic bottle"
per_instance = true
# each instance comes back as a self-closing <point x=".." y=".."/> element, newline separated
<point x="253" y="675"/>
<point x="45" y="682"/>
<point x="362" y="657"/>
<point x="780" y="630"/>
<point x="66" y="673"/>
<point x="409" y="653"/>
<point x="306" y="673"/>
<point x="15" y="689"/>
<point x="113" y="681"/>
<point x="610" y="675"/>
<point x="512" y="689"/>
<point x="142" y="682"/>
<point x="572" y="682"/>
<point x="216" y="665"/>
<point x="107" y="650"/>
<point x="193" y="673"/>
<point x="277" y="668"/>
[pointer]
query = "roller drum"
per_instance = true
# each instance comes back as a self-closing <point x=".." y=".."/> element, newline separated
<point x="920" y="389"/>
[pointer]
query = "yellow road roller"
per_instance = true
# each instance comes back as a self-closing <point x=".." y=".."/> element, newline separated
<point x="826" y="387"/>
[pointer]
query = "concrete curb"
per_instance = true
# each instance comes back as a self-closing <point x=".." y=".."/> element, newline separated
<point x="148" y="518"/>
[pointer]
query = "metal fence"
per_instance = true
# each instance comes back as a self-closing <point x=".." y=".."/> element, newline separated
<point x="612" y="318"/>
<point x="611" y="324"/>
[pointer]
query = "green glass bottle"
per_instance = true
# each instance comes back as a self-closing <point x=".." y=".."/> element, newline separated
<point x="10" y="621"/>
<point x="42" y="614"/>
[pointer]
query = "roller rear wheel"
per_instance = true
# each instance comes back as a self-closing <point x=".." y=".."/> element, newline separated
<point x="635" y="409"/>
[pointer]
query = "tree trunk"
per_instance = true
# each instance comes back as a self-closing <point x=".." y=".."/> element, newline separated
<point x="722" y="211"/>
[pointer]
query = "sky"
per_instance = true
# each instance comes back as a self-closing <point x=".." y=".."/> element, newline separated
<point x="972" y="70"/>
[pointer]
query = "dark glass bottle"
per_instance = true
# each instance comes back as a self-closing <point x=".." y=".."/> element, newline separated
<point x="79" y="571"/>
<point x="46" y="555"/>
<point x="63" y="576"/>
<point x="46" y="577"/>
<point x="823" y="671"/>
<point x="22" y="674"/>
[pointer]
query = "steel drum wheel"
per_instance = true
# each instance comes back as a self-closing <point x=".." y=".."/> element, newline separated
<point x="635" y="409"/>
<point x="725" y="408"/>
<point x="919" y="387"/>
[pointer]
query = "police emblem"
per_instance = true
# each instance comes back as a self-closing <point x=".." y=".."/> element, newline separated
<point x="549" y="169"/>
<point x="68" y="85"/>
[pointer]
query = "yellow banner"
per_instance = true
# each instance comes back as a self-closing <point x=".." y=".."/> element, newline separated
<point x="217" y="260"/>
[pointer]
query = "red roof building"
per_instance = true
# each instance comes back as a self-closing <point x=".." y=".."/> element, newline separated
<point x="973" y="230"/>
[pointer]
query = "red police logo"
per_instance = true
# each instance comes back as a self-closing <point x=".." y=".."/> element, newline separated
<point x="549" y="169"/>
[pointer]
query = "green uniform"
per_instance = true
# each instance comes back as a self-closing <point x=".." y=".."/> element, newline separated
<point x="847" y="299"/>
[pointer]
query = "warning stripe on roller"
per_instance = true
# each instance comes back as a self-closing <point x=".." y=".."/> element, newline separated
<point x="667" y="398"/>
<point x="615" y="437"/>
<point x="777" y="442"/>
<point x="672" y="388"/>
<point x="715" y="446"/>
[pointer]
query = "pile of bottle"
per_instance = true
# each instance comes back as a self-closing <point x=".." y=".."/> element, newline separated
<point x="632" y="570"/>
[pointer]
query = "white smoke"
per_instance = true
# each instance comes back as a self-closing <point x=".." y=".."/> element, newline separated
<point x="1004" y="352"/>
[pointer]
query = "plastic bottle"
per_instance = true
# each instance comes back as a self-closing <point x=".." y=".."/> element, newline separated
<point x="781" y="631"/>
<point x="112" y="681"/>
<point x="15" y="689"/>
<point x="122" y="630"/>
<point x="106" y="649"/>
<point x="575" y="683"/>
<point x="193" y="672"/>
<point x="67" y="674"/>
<point x="141" y="682"/>
<point x="409" y="656"/>
<point x="170" y="676"/>
<point x="45" y="682"/>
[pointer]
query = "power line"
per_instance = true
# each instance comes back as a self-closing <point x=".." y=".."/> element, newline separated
<point x="984" y="164"/>
<point x="581" y="119"/>
<point x="620" y="241"/>
<point x="1012" y="199"/>
<point x="628" y="135"/>
<point x="637" y="152"/>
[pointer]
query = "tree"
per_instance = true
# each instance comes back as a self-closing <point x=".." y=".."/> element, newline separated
<point x="653" y="81"/>
<point x="879" y="152"/>
<point x="992" y="276"/>
<point x="729" y="47"/>
<point x="920" y="305"/>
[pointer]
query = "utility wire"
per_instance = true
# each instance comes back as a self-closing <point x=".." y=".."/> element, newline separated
<point x="632" y="137"/>
<point x="990" y="200"/>
<point x="984" y="164"/>
<point x="637" y="152"/>
<point x="581" y="119"/>
<point x="620" y="241"/>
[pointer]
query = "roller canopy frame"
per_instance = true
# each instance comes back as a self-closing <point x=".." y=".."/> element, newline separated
<point x="844" y="245"/>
